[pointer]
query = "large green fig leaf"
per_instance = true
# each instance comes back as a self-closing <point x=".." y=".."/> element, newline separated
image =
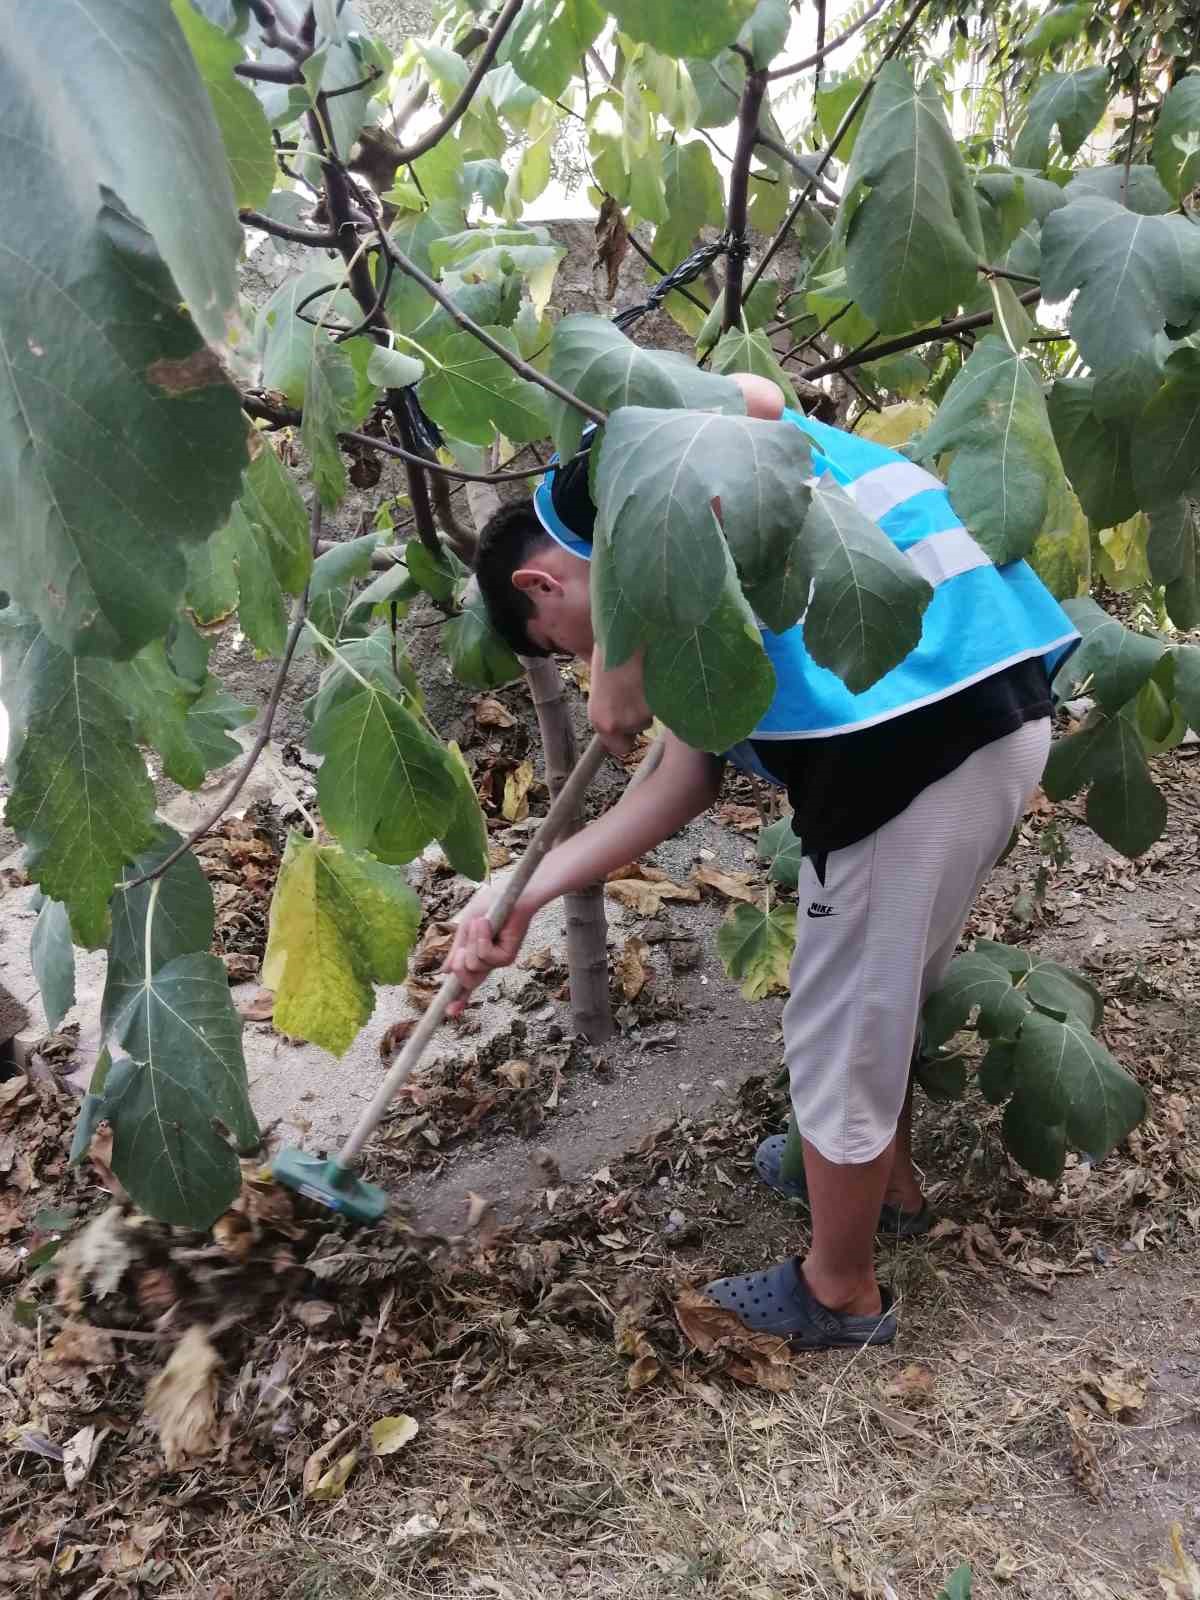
<point x="80" y="797"/>
<point x="121" y="442"/>
<point x="1140" y="191"/>
<point x="755" y="947"/>
<point x="975" y="983"/>
<point x="711" y="682"/>
<point x="386" y="785"/>
<point x="1131" y="276"/>
<point x="909" y="218"/>
<point x="181" y="1077"/>
<point x="465" y="841"/>
<point x="52" y="956"/>
<point x="867" y="599"/>
<point x="154" y="922"/>
<point x="341" y="922"/>
<point x="743" y="350"/>
<point x="1052" y="987"/>
<point x="994" y="419"/>
<point x="1069" y="1091"/>
<point x="658" y="474"/>
<point x="188" y="724"/>
<point x="473" y="394"/>
<point x="1173" y="551"/>
<point x="782" y="850"/>
<point x="548" y="39"/>
<point x="682" y="27"/>
<point x="1111" y="662"/>
<point x="1166" y="436"/>
<point x="602" y="365"/>
<point x="109" y="95"/>
<point x="1095" y="452"/>
<point x="765" y="35"/>
<point x="1107" y="756"/>
<point x="1072" y="101"/>
<point x="245" y="131"/>
<point x="175" y="1085"/>
<point x="1177" y="137"/>
<point x="478" y="655"/>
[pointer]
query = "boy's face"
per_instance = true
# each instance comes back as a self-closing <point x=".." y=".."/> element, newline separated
<point x="556" y="583"/>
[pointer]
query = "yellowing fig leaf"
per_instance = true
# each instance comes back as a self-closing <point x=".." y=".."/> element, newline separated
<point x="515" y="806"/>
<point x="390" y="1434"/>
<point x="181" y="1402"/>
<point x="755" y="947"/>
<point x="340" y="923"/>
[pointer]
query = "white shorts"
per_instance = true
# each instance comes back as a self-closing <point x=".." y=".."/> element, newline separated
<point x="875" y="938"/>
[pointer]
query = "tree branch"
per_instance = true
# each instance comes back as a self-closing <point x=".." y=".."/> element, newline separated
<point x="264" y="732"/>
<point x="319" y="239"/>
<point x="909" y="341"/>
<point x="840" y="132"/>
<point x="264" y="72"/>
<point x="486" y="56"/>
<point x="749" y="109"/>
<point x="796" y="163"/>
<point x="822" y="51"/>
<point x="521" y="368"/>
<point x="1003" y="272"/>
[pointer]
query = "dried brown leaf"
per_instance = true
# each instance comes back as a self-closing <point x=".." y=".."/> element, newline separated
<point x="489" y="713"/>
<point x="259" y="1008"/>
<point x="515" y="805"/>
<point x="763" y="1359"/>
<point x="643" y="889"/>
<point x="78" y="1344"/>
<point x="79" y="1454"/>
<point x="733" y="885"/>
<point x="181" y="1401"/>
<point x="612" y="246"/>
<point x="630" y="970"/>
<point x="913" y="1385"/>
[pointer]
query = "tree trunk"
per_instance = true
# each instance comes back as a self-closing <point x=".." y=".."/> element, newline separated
<point x="587" y="927"/>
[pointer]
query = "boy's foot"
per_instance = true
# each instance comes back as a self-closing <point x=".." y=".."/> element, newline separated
<point x="893" y="1222"/>
<point x="780" y="1301"/>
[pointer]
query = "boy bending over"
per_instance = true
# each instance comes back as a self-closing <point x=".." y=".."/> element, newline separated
<point x="904" y="796"/>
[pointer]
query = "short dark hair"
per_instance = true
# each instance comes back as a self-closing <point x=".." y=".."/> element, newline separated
<point x="507" y="542"/>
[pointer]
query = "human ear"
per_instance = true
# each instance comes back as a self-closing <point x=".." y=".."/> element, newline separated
<point x="536" y="581"/>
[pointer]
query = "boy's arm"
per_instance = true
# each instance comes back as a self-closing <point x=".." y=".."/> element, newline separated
<point x="685" y="783"/>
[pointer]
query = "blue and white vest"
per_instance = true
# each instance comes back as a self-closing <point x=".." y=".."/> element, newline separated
<point x="981" y="619"/>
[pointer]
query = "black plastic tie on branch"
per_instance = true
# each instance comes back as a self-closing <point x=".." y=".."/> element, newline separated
<point x="686" y="272"/>
<point x="425" y="431"/>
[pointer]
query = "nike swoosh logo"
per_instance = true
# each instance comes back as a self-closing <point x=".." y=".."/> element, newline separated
<point x="827" y="912"/>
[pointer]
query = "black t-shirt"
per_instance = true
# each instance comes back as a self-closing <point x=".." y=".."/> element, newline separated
<point x="846" y="786"/>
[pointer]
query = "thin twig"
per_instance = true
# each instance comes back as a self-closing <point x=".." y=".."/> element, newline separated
<point x="662" y="272"/>
<point x="486" y="56"/>
<point x="262" y="738"/>
<point x="522" y="368"/>
<point x="781" y="150"/>
<point x="318" y="239"/>
<point x="819" y="63"/>
<point x="909" y="341"/>
<point x="840" y="132"/>
<point x="1003" y="272"/>
<point x="822" y="51"/>
<point x="349" y="88"/>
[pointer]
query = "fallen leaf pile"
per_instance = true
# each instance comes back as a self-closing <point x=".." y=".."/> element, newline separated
<point x="240" y="858"/>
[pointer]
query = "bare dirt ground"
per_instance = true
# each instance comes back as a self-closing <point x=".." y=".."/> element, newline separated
<point x="579" y="1430"/>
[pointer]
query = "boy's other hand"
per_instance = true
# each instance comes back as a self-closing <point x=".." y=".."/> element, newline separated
<point x="617" y="706"/>
<point x="475" y="953"/>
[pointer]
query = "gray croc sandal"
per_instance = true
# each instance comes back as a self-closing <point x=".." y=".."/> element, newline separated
<point x="893" y="1223"/>
<point x="779" y="1301"/>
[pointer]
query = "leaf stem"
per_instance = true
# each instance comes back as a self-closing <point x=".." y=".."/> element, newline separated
<point x="486" y="56"/>
<point x="299" y="617"/>
<point x="823" y="50"/>
<point x="908" y="341"/>
<point x="1133" y="116"/>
